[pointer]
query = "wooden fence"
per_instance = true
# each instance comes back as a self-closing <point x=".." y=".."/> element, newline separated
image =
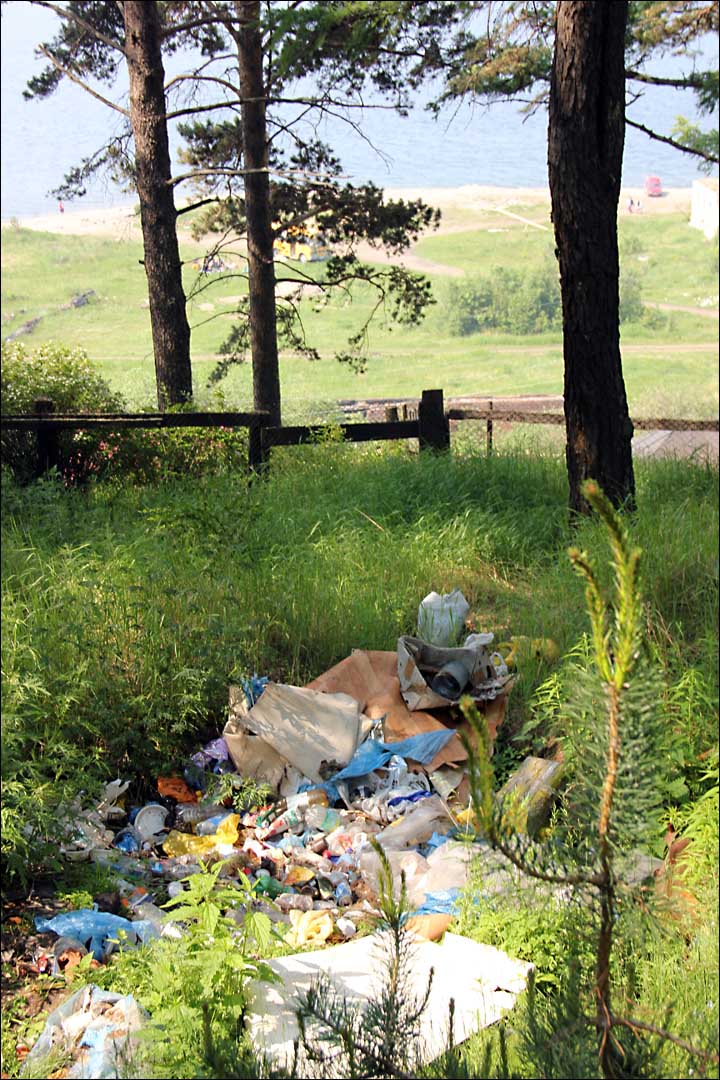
<point x="429" y="423"/>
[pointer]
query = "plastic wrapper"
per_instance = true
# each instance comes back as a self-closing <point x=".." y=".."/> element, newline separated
<point x="308" y="928"/>
<point x="178" y="843"/>
<point x="95" y="1027"/>
<point x="417" y="826"/>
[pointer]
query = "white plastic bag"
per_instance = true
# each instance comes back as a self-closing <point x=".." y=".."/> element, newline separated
<point x="417" y="826"/>
<point x="441" y="619"/>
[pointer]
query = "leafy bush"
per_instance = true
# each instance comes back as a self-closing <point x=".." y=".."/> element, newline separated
<point x="632" y="308"/>
<point x="71" y="380"/>
<point x="527" y="302"/>
<point x="509" y="300"/>
<point x="73" y="383"/>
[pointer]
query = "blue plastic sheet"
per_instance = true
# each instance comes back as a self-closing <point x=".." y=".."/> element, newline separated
<point x="95" y="929"/>
<point x="373" y="754"/>
<point x="445" y="902"/>
<point x="414" y="797"/>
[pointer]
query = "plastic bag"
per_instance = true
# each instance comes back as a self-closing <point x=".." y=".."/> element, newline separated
<point x="95" y="1027"/>
<point x="441" y="619"/>
<point x="95" y="929"/>
<point x="410" y="863"/>
<point x="417" y="826"/>
<point x="178" y="843"/>
<point x="309" y="928"/>
<point x="444" y="901"/>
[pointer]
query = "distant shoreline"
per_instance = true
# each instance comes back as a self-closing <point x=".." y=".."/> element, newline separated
<point x="122" y="222"/>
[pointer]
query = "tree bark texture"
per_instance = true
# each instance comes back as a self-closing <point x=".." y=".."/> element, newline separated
<point x="168" y="317"/>
<point x="585" y="149"/>
<point x="261" y="270"/>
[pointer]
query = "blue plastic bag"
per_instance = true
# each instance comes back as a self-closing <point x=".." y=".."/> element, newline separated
<point x="101" y="1050"/>
<point x="373" y="754"/>
<point x="445" y="902"/>
<point x="95" y="929"/>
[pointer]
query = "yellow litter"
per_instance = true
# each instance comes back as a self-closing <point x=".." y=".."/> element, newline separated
<point x="179" y="843"/>
<point x="299" y="875"/>
<point x="309" y="928"/>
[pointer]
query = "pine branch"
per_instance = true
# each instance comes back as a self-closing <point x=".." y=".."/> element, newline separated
<point x="638" y="1025"/>
<point x="79" y="82"/>
<point x="73" y="16"/>
<point x="713" y="158"/>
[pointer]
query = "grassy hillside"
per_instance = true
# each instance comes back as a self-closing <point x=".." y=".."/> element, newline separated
<point x="669" y="367"/>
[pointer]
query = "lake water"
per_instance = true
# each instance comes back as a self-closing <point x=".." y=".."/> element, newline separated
<point x="41" y="140"/>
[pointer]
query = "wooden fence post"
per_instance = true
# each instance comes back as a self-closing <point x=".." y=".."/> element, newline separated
<point x="434" y="426"/>
<point x="257" y="451"/>
<point x="47" y="439"/>
<point x="489" y="437"/>
<point x="391" y="413"/>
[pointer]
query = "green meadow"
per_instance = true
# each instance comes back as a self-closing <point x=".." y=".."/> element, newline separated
<point x="669" y="361"/>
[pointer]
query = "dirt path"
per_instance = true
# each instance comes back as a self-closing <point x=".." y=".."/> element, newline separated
<point x="707" y="313"/>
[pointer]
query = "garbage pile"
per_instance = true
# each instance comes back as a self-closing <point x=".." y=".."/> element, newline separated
<point x="297" y="789"/>
<point x="370" y="750"/>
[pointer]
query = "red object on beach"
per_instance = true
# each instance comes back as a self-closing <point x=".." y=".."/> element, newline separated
<point x="653" y="187"/>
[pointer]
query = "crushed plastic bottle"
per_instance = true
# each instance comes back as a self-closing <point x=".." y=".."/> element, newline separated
<point x="128" y="840"/>
<point x="142" y="908"/>
<point x="294" y="902"/>
<point x="193" y="813"/>
<point x="210" y="825"/>
<point x="322" y="819"/>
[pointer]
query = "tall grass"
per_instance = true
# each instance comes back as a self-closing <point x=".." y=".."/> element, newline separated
<point x="127" y="610"/>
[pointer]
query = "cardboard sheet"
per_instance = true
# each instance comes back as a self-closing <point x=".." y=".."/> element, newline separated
<point x="317" y="733"/>
<point x="482" y="981"/>
<point x="371" y="677"/>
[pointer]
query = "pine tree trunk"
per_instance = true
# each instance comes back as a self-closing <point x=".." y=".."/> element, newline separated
<point x="261" y="270"/>
<point x="168" y="317"/>
<point x="585" y="148"/>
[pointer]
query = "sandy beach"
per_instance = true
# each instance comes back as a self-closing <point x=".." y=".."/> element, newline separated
<point x="123" y="222"/>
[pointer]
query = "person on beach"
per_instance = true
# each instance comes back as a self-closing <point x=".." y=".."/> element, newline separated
<point x="61" y="208"/>
<point x="630" y="206"/>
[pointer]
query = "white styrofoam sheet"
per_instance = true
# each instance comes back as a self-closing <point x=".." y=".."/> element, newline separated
<point x="482" y="981"/>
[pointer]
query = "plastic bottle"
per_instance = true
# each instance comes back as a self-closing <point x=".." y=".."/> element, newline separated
<point x="322" y="818"/>
<point x="210" y="825"/>
<point x="343" y="894"/>
<point x="270" y="886"/>
<point x="296" y="803"/>
<point x="128" y="840"/>
<point x="291" y="819"/>
<point x="303" y="799"/>
<point x="295" y="902"/>
<point x="192" y="813"/>
<point x="142" y="907"/>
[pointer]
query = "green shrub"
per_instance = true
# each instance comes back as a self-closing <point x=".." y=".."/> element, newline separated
<point x="71" y="380"/>
<point x="632" y="308"/>
<point x="510" y="300"/>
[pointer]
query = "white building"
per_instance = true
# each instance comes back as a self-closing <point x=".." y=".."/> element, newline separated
<point x="704" y="211"/>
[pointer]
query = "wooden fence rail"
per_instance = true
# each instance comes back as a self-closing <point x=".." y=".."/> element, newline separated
<point x="430" y="426"/>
